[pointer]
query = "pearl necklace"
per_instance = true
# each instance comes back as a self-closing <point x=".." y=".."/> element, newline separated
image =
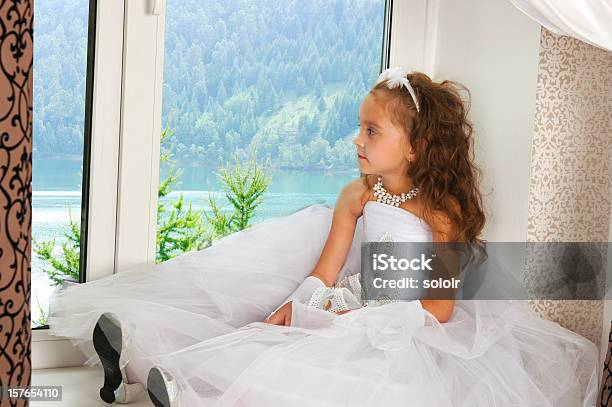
<point x="383" y="196"/>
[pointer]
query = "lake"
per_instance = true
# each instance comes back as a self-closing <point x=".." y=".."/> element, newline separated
<point x="56" y="191"/>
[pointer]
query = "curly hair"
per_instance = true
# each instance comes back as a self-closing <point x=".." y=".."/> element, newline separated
<point x="441" y="136"/>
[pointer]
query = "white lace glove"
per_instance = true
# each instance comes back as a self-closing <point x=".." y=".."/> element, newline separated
<point x="304" y="292"/>
<point x="352" y="283"/>
<point x="334" y="299"/>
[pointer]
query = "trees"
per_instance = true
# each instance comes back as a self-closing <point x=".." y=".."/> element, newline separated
<point x="244" y="189"/>
<point x="180" y="228"/>
<point x="237" y="66"/>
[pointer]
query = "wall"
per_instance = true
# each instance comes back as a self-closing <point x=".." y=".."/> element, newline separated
<point x="541" y="108"/>
<point x="571" y="175"/>
<point x="492" y="48"/>
<point x="16" y="50"/>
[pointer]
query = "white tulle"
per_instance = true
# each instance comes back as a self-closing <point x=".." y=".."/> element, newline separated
<point x="200" y="316"/>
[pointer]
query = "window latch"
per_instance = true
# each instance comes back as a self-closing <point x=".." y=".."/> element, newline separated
<point x="157" y="7"/>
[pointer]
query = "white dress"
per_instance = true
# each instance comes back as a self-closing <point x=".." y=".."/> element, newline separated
<point x="199" y="316"/>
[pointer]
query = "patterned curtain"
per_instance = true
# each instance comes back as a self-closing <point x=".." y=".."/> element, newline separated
<point x="16" y="50"/>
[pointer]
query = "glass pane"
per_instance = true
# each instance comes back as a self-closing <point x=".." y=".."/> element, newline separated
<point x="60" y="63"/>
<point x="284" y="78"/>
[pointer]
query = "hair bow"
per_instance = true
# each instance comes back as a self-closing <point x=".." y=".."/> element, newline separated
<point x="396" y="76"/>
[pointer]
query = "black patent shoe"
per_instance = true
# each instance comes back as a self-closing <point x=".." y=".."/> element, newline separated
<point x="111" y="342"/>
<point x="162" y="388"/>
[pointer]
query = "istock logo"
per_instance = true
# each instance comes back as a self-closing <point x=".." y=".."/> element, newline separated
<point x="383" y="262"/>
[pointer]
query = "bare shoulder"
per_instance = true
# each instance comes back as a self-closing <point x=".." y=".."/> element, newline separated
<point x="359" y="185"/>
<point x="352" y="195"/>
<point x="356" y="185"/>
<point x="442" y="226"/>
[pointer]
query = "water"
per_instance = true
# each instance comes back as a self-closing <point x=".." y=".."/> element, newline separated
<point x="56" y="191"/>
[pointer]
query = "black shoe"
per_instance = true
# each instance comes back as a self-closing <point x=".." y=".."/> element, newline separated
<point x="110" y="342"/>
<point x="162" y="388"/>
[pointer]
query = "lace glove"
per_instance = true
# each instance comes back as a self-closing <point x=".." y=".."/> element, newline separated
<point x="344" y="296"/>
<point x="353" y="284"/>
<point x="334" y="299"/>
<point x="304" y="292"/>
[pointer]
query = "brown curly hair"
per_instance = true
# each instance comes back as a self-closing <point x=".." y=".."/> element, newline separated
<point x="441" y="136"/>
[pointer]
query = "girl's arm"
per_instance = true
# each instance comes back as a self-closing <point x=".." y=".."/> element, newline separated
<point x="442" y="231"/>
<point x="349" y="206"/>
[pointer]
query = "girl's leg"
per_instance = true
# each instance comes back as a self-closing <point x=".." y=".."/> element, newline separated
<point x="130" y="374"/>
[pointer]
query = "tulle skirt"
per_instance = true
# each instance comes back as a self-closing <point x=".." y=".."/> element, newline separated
<point x="199" y="315"/>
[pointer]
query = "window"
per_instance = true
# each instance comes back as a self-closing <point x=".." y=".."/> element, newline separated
<point x="61" y="134"/>
<point x="134" y="97"/>
<point x="282" y="80"/>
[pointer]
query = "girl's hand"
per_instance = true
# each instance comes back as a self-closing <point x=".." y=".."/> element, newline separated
<point x="354" y="196"/>
<point x="282" y="316"/>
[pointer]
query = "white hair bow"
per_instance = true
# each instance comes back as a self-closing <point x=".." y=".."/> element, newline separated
<point x="396" y="76"/>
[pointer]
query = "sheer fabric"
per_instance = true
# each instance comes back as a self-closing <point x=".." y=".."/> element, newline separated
<point x="586" y="20"/>
<point x="199" y="316"/>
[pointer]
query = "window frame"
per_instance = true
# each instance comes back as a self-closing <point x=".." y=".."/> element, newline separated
<point x="87" y="141"/>
<point x="100" y="168"/>
<point x="126" y="124"/>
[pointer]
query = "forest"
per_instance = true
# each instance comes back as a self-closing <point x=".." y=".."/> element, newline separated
<point x="285" y="78"/>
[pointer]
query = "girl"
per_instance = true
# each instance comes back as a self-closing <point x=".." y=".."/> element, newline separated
<point x="405" y="150"/>
<point x="206" y="328"/>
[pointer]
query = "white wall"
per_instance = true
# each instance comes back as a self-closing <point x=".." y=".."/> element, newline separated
<point x="492" y="48"/>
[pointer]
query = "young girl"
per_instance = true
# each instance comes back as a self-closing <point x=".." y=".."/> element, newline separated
<point x="407" y="148"/>
<point x="212" y="328"/>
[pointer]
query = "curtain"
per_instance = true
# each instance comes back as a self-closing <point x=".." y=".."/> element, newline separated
<point x="16" y="85"/>
<point x="587" y="20"/>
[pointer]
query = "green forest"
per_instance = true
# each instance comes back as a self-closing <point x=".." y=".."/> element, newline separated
<point x="285" y="77"/>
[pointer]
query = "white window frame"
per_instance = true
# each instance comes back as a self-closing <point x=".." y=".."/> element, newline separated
<point x="124" y="166"/>
<point x="141" y="107"/>
<point x="126" y="129"/>
<point x="413" y="34"/>
<point x="51" y="351"/>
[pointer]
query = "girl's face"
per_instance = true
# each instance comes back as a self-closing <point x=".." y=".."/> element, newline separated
<point x="382" y="148"/>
